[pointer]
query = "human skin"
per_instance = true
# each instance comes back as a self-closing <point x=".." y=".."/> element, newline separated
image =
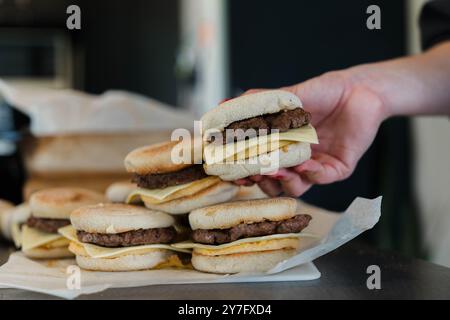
<point x="347" y="108"/>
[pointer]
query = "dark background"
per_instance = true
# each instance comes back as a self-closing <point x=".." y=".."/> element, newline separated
<point x="132" y="45"/>
<point x="277" y="43"/>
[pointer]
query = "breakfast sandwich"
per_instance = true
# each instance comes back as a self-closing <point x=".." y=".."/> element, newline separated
<point x="256" y="134"/>
<point x="121" y="237"/>
<point x="245" y="236"/>
<point x="171" y="186"/>
<point x="50" y="210"/>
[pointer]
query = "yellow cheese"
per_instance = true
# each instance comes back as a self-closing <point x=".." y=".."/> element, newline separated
<point x="256" y="150"/>
<point x="303" y="134"/>
<point x="214" y="153"/>
<point x="193" y="245"/>
<point x="33" y="238"/>
<point x="173" y="262"/>
<point x="265" y="245"/>
<point x="95" y="251"/>
<point x="58" y="243"/>
<point x="157" y="196"/>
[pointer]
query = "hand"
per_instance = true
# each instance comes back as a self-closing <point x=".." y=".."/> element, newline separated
<point x="346" y="115"/>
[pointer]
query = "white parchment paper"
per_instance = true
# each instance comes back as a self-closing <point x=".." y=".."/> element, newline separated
<point x="332" y="230"/>
<point x="57" y="111"/>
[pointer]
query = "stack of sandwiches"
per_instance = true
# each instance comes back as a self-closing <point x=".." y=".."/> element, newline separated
<point x="140" y="228"/>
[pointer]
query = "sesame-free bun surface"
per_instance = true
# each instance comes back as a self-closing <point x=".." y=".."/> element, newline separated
<point x="5" y="209"/>
<point x="248" y="106"/>
<point x="5" y="204"/>
<point x="288" y="156"/>
<point x="14" y="215"/>
<point x="52" y="253"/>
<point x="241" y="262"/>
<point x="58" y="203"/>
<point x="119" y="191"/>
<point x="250" y="193"/>
<point x="227" y="215"/>
<point x="217" y="193"/>
<point x="113" y="218"/>
<point x="157" y="158"/>
<point x="131" y="262"/>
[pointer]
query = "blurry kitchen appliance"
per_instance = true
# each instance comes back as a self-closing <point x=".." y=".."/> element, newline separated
<point x="36" y="56"/>
<point x="202" y="63"/>
<point x="33" y="57"/>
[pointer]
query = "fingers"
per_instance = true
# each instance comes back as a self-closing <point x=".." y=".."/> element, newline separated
<point x="284" y="181"/>
<point x="244" y="182"/>
<point x="291" y="182"/>
<point x="308" y="169"/>
<point x="256" y="178"/>
<point x="323" y="169"/>
<point x="251" y="91"/>
<point x="270" y="187"/>
<point x="297" y="180"/>
<point x="240" y="182"/>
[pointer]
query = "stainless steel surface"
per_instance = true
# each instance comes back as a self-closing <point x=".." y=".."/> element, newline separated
<point x="343" y="277"/>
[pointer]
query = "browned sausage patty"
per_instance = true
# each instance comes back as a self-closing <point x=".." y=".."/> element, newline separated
<point x="282" y="121"/>
<point x="164" y="180"/>
<point x="129" y="238"/>
<point x="47" y="225"/>
<point x="244" y="230"/>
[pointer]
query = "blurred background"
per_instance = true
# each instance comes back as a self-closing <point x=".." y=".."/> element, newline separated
<point x="191" y="54"/>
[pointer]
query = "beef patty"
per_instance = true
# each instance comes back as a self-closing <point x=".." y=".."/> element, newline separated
<point x="243" y="230"/>
<point x="164" y="180"/>
<point x="47" y="225"/>
<point x="129" y="238"/>
<point x="282" y="121"/>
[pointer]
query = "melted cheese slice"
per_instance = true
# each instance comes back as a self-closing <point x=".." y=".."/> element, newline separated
<point x="33" y="238"/>
<point x="257" y="150"/>
<point x="255" y="146"/>
<point x="156" y="196"/>
<point x="95" y="251"/>
<point x="58" y="243"/>
<point x="265" y="245"/>
<point x="271" y="242"/>
<point x="173" y="262"/>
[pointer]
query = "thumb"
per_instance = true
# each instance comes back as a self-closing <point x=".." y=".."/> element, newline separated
<point x="251" y="91"/>
<point x="306" y="91"/>
<point x="320" y="94"/>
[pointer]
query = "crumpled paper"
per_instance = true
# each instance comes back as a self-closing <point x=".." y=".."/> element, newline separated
<point x="332" y="230"/>
<point x="67" y="111"/>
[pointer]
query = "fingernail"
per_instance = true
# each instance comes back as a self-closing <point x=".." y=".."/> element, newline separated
<point x="310" y="174"/>
<point x="225" y="100"/>
<point x="299" y="170"/>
